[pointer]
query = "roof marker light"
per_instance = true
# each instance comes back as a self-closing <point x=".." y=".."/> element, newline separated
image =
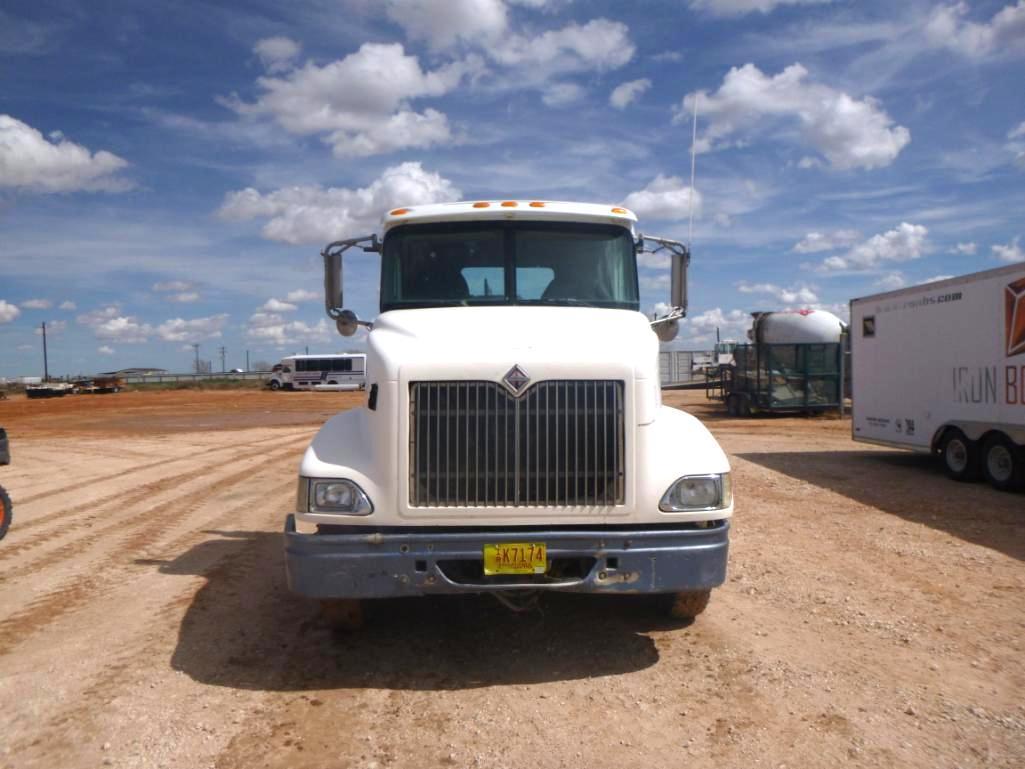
<point x="398" y="212"/>
<point x="537" y="204"/>
<point x="509" y="204"/>
<point x="481" y="204"/>
<point x="620" y="211"/>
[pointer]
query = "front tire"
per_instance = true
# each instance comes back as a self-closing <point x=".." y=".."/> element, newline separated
<point x="6" y="512"/>
<point x="960" y="456"/>
<point x="275" y="384"/>
<point x="1003" y="463"/>
<point x="685" y="605"/>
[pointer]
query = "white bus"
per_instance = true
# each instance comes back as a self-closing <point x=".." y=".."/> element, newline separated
<point x="329" y="372"/>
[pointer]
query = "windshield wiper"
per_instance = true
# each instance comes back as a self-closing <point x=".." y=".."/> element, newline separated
<point x="559" y="300"/>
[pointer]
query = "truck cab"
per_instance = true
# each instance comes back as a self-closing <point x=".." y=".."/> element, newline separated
<point x="514" y="439"/>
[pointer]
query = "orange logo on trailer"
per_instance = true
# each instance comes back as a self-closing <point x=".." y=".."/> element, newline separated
<point x="1014" y="313"/>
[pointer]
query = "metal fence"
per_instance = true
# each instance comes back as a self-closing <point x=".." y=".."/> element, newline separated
<point x="681" y="368"/>
<point x="157" y="378"/>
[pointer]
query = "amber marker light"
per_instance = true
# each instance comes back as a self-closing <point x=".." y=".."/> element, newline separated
<point x="537" y="204"/>
<point x="398" y="212"/>
<point x="620" y="211"/>
<point x="481" y="204"/>
<point x="509" y="204"/>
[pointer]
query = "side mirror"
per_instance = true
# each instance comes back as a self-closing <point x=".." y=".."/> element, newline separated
<point x="678" y="279"/>
<point x="667" y="330"/>
<point x="345" y="320"/>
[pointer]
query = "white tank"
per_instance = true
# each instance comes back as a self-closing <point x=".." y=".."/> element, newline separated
<point x="796" y="327"/>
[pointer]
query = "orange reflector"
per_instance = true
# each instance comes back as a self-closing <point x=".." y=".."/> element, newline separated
<point x="398" y="212"/>
<point x="537" y="204"/>
<point x="481" y="204"/>
<point x="509" y="204"/>
<point x="620" y="211"/>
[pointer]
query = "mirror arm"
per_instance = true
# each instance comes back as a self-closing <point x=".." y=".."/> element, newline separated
<point x="333" y="253"/>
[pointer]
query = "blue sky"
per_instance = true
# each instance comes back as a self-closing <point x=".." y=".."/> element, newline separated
<point x="169" y="170"/>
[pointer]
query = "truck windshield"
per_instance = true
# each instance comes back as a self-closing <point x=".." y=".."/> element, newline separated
<point x="502" y="263"/>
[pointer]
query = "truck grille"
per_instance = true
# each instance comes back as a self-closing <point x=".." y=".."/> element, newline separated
<point x="474" y="444"/>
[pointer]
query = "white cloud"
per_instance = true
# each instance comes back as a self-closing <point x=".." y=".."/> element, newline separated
<point x="37" y="304"/>
<point x="742" y="7"/>
<point x="891" y="281"/>
<point x="184" y="297"/>
<point x="125" y="329"/>
<point x="827" y="241"/>
<point x="731" y="325"/>
<point x="655" y="282"/>
<point x="562" y="94"/>
<point x="105" y="350"/>
<point x="276" y="305"/>
<point x="1017" y="133"/>
<point x="966" y="249"/>
<point x="181" y="330"/>
<point x="302" y="295"/>
<point x="903" y="243"/>
<point x="800" y="294"/>
<point x="599" y="45"/>
<point x="1011" y="252"/>
<point x="443" y="23"/>
<point x="937" y="278"/>
<point x="8" y="311"/>
<point x="68" y="305"/>
<point x="29" y="161"/>
<point x="667" y="56"/>
<point x="360" y="105"/>
<point x="849" y="132"/>
<point x="272" y="328"/>
<point x="625" y="94"/>
<point x="277" y="53"/>
<point x="53" y="327"/>
<point x="314" y="215"/>
<point x="1003" y="34"/>
<point x="666" y="198"/>
<point x="174" y="285"/>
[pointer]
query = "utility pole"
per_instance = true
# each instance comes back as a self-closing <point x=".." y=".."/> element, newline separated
<point x="247" y="360"/>
<point x="223" y="351"/>
<point x="46" y="363"/>
<point x="307" y="349"/>
<point x="195" y="349"/>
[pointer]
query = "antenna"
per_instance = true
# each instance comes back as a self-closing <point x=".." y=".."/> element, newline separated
<point x="693" y="164"/>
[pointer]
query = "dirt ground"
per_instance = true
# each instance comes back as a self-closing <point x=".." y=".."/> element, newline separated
<point x="873" y="615"/>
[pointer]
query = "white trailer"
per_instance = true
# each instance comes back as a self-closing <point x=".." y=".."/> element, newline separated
<point x="514" y="438"/>
<point x="940" y="368"/>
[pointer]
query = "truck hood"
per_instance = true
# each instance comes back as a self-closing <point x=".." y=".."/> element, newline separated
<point x="576" y="339"/>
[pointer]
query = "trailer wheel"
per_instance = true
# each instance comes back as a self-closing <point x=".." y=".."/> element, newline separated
<point x="960" y="456"/>
<point x="1003" y="463"/>
<point x="731" y="405"/>
<point x="6" y="512"/>
<point x="744" y="406"/>
<point x="342" y="613"/>
<point x="686" y="605"/>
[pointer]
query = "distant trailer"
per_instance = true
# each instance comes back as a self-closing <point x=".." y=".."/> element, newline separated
<point x="49" y="390"/>
<point x="685" y="368"/>
<point x="940" y="368"/>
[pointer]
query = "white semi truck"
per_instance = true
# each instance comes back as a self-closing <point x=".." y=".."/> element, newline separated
<point x="940" y="368"/>
<point x="514" y="439"/>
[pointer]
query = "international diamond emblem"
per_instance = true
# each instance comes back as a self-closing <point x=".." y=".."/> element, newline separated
<point x="1015" y="318"/>
<point x="516" y="379"/>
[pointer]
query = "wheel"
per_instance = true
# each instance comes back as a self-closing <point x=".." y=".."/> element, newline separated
<point x="744" y="407"/>
<point x="332" y="382"/>
<point x="1003" y="463"/>
<point x="686" y="605"/>
<point x="6" y="512"/>
<point x="960" y="457"/>
<point x="275" y="384"/>
<point x="342" y="613"/>
<point x="731" y="405"/>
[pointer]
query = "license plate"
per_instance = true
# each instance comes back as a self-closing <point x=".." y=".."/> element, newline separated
<point x="516" y="558"/>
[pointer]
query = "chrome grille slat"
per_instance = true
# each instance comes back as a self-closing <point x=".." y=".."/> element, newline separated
<point x="560" y="443"/>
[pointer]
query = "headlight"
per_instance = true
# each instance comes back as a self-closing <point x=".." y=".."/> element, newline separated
<point x="338" y="496"/>
<point x="698" y="492"/>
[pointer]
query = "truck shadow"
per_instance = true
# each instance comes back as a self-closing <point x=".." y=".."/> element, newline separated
<point x="912" y="487"/>
<point x="244" y="629"/>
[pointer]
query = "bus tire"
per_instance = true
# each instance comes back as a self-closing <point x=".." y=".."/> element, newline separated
<point x="686" y="605"/>
<point x="959" y="455"/>
<point x="1003" y="463"/>
<point x="275" y="384"/>
<point x="6" y="512"/>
